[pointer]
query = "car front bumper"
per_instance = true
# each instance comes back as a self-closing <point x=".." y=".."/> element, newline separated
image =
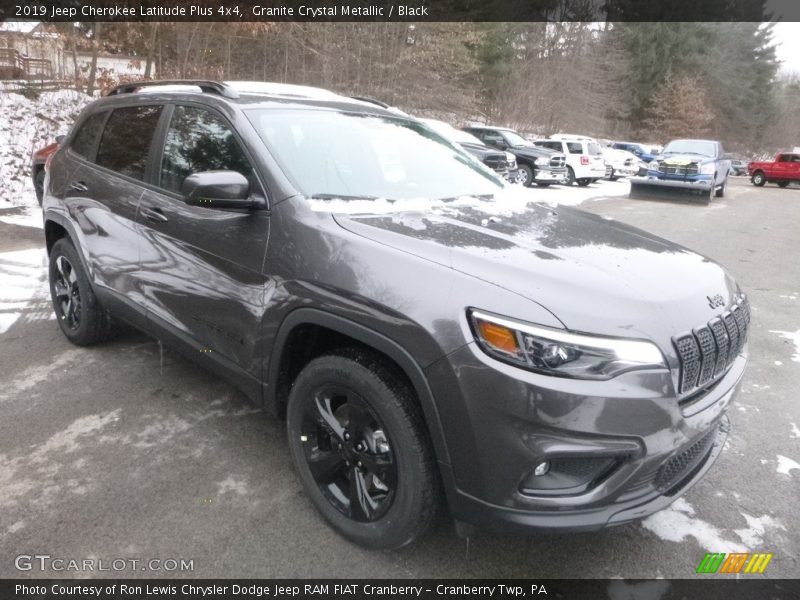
<point x="634" y="447"/>
<point x="699" y="183"/>
<point x="550" y="176"/>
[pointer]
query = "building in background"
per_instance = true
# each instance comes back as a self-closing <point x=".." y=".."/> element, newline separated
<point x="30" y="50"/>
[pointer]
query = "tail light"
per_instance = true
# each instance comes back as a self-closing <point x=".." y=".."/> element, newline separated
<point x="584" y="160"/>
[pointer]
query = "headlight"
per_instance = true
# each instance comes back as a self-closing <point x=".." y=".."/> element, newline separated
<point x="510" y="157"/>
<point x="653" y="165"/>
<point x="708" y="168"/>
<point x="560" y="352"/>
<point x="543" y="161"/>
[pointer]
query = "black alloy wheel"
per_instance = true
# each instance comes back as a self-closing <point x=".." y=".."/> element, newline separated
<point x="80" y="315"/>
<point x="67" y="293"/>
<point x="361" y="448"/>
<point x="348" y="453"/>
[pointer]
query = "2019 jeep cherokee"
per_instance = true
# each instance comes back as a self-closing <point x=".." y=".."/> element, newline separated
<point x="419" y="323"/>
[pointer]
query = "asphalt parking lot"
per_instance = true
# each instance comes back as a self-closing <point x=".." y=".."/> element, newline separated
<point x="125" y="451"/>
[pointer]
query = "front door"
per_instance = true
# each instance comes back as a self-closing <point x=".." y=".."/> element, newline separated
<point x="202" y="267"/>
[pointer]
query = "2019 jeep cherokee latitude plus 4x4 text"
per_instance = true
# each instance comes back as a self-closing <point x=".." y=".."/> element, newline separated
<point x="421" y="325"/>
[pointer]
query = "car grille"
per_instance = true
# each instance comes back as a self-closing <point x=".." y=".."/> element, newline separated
<point x="691" y="169"/>
<point x="558" y="161"/>
<point x="707" y="352"/>
<point x="681" y="465"/>
<point x="497" y="162"/>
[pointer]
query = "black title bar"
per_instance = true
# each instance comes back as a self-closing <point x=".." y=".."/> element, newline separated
<point x="404" y="10"/>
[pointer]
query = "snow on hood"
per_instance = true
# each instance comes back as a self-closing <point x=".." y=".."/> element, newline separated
<point x="509" y="201"/>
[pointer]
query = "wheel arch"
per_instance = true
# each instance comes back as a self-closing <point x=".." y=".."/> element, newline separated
<point x="291" y="352"/>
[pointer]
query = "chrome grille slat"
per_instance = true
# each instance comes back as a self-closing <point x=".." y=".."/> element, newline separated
<point x="723" y="344"/>
<point x="707" y="352"/>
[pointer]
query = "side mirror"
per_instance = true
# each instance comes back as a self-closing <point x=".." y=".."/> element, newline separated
<point x="217" y="189"/>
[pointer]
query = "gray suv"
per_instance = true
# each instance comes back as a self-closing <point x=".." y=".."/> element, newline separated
<point x="428" y="333"/>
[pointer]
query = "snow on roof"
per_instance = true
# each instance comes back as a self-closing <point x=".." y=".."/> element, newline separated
<point x="282" y="89"/>
<point x="19" y="26"/>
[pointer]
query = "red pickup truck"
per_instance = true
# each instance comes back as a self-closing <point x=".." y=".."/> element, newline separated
<point x="783" y="170"/>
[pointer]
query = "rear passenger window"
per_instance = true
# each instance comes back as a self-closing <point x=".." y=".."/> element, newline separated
<point x="198" y="140"/>
<point x="125" y="145"/>
<point x="86" y="137"/>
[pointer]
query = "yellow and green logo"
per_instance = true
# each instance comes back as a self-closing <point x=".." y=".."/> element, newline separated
<point x="735" y="562"/>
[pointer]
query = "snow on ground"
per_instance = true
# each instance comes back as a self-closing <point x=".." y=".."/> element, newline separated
<point x="786" y="465"/>
<point x="679" y="522"/>
<point x="26" y="125"/>
<point x="794" y="337"/>
<point x="23" y="287"/>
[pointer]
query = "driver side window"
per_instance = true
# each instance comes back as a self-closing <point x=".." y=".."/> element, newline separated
<point x="199" y="140"/>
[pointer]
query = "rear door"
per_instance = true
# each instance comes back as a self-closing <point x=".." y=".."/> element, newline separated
<point x="103" y="197"/>
<point x="202" y="267"/>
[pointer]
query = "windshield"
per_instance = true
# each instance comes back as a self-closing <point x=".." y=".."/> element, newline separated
<point x="514" y="139"/>
<point x="691" y="147"/>
<point x="331" y="154"/>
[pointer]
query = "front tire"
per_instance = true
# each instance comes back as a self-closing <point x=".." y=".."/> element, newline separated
<point x="526" y="175"/>
<point x="570" y="176"/>
<point x="720" y="193"/>
<point x="79" y="314"/>
<point x="359" y="443"/>
<point x="759" y="178"/>
<point x="584" y="182"/>
<point x="783" y="184"/>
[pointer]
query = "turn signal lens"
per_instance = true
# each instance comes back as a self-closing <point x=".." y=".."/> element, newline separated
<point x="499" y="337"/>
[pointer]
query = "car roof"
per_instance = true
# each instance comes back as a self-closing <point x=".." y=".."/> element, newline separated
<point x="489" y="128"/>
<point x="246" y="93"/>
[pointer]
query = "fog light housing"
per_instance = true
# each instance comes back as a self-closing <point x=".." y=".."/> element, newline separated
<point x="567" y="476"/>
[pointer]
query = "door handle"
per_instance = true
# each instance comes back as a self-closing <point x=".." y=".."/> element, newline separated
<point x="78" y="186"/>
<point x="154" y="214"/>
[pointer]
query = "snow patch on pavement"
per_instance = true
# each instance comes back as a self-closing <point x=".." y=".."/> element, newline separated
<point x="23" y="279"/>
<point x="795" y="431"/>
<point x="786" y="465"/>
<point x="792" y="336"/>
<point x="753" y="534"/>
<point x="678" y="523"/>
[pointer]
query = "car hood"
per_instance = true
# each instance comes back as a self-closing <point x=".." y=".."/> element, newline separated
<point x="532" y="151"/>
<point x="594" y="274"/>
<point x="481" y="151"/>
<point x="684" y="159"/>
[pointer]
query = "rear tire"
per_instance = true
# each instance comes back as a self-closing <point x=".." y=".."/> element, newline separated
<point x="783" y="184"/>
<point x="350" y="417"/>
<point x="38" y="185"/>
<point x="79" y="314"/>
<point x="543" y="184"/>
<point x="584" y="182"/>
<point x="759" y="178"/>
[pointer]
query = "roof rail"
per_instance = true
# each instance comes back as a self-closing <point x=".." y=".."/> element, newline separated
<point x="371" y="100"/>
<point x="207" y="87"/>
